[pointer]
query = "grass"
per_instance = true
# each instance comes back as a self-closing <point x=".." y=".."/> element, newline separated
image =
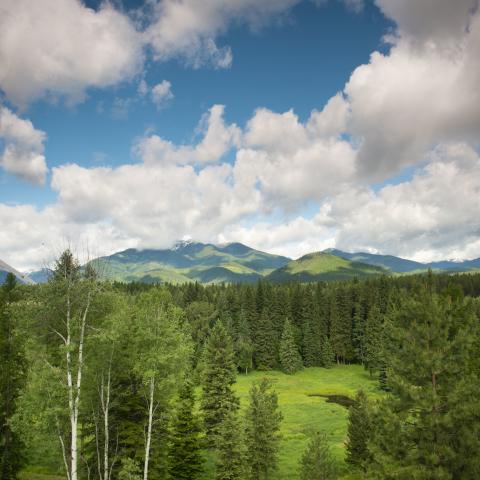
<point x="303" y="412"/>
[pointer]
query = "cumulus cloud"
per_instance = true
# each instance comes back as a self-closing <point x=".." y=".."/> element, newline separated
<point x="23" y="148"/>
<point x="419" y="94"/>
<point x="218" y="138"/>
<point x="162" y="93"/>
<point x="181" y="29"/>
<point x="295" y="162"/>
<point x="61" y="47"/>
<point x="433" y="216"/>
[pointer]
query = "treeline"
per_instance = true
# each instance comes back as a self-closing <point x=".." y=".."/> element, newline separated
<point x="135" y="381"/>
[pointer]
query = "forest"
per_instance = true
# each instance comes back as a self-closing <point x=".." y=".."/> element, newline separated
<point x="129" y="381"/>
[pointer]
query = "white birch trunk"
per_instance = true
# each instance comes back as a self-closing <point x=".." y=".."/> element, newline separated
<point x="149" y="428"/>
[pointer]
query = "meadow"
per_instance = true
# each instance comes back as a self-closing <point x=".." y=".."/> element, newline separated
<point x="305" y="410"/>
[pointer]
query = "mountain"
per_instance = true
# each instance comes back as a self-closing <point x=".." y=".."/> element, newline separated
<point x="323" y="266"/>
<point x="5" y="269"/>
<point x="401" y="265"/>
<point x="191" y="261"/>
<point x="394" y="264"/>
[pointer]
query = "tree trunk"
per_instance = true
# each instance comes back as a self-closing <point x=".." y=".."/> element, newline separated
<point x="149" y="428"/>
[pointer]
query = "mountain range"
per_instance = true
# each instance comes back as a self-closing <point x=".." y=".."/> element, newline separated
<point x="189" y="261"/>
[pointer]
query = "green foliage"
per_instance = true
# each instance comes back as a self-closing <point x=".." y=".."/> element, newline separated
<point x="317" y="462"/>
<point x="263" y="420"/>
<point x="327" y="356"/>
<point x="430" y="423"/>
<point x="12" y="379"/>
<point x="230" y="450"/>
<point x="218" y="378"/>
<point x="290" y="359"/>
<point x="130" y="470"/>
<point x="373" y="341"/>
<point x="359" y="432"/>
<point x="185" y="457"/>
<point x="265" y="351"/>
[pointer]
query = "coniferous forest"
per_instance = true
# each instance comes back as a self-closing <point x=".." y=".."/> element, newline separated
<point x="111" y="381"/>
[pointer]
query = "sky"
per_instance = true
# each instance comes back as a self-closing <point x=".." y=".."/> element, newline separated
<point x="288" y="125"/>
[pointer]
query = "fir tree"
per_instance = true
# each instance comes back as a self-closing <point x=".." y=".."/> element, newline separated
<point x="265" y="349"/>
<point x="218" y="377"/>
<point x="317" y="462"/>
<point x="290" y="359"/>
<point x="185" y="458"/>
<point x="230" y="463"/>
<point x="262" y="431"/>
<point x="327" y="356"/>
<point x="359" y="431"/>
<point x="430" y="423"/>
<point x="373" y="340"/>
<point x="12" y="378"/>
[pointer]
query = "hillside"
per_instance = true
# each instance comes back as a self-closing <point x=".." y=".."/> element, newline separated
<point x="191" y="261"/>
<point x="321" y="266"/>
<point x="5" y="269"/>
<point x="402" y="265"/>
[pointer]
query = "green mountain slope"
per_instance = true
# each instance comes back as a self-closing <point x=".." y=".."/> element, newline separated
<point x="321" y="266"/>
<point x="190" y="261"/>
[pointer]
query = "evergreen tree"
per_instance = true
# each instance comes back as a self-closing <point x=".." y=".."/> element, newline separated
<point x="243" y="344"/>
<point x="290" y="359"/>
<point x="327" y="356"/>
<point x="265" y="348"/>
<point x="359" y="431"/>
<point x="218" y="377"/>
<point x="262" y="431"/>
<point x="12" y="379"/>
<point x="230" y="463"/>
<point x="317" y="462"/>
<point x="430" y="423"/>
<point x="373" y="340"/>
<point x="185" y="458"/>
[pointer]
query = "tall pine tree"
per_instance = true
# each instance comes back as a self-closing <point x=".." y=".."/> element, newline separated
<point x="263" y="420"/>
<point x="185" y="457"/>
<point x="290" y="359"/>
<point x="218" y="378"/>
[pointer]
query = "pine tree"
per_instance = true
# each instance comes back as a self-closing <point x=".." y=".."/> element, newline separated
<point x="218" y="377"/>
<point x="290" y="359"/>
<point x="317" y="462"/>
<point x="265" y="349"/>
<point x="327" y="356"/>
<point x="262" y="430"/>
<point x="429" y="424"/>
<point x="359" y="431"/>
<point x="12" y="379"/>
<point x="373" y="340"/>
<point x="230" y="463"/>
<point x="185" y="458"/>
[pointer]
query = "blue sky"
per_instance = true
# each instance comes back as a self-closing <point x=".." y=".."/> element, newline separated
<point x="285" y="182"/>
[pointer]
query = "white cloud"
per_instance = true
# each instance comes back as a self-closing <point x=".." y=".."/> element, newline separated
<point x="61" y="47"/>
<point x="218" y="139"/>
<point x="182" y="29"/>
<point x="433" y="216"/>
<point x="162" y="93"/>
<point x="23" y="148"/>
<point x="405" y="102"/>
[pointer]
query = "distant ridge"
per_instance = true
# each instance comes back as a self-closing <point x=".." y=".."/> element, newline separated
<point x="402" y="265"/>
<point x="323" y="266"/>
<point x="189" y="261"/>
<point x="5" y="268"/>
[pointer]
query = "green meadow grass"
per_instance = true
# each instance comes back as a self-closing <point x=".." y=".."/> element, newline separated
<point x="304" y="413"/>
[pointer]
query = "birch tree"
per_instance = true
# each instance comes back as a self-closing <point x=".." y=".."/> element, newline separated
<point x="69" y="309"/>
<point x="163" y="350"/>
